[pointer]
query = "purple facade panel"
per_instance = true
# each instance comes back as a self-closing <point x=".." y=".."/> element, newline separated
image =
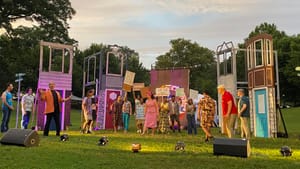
<point x="101" y="110"/>
<point x="67" y="120"/>
<point x="40" y="116"/>
<point x="62" y="81"/>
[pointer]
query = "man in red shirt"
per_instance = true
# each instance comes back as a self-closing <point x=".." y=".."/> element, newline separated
<point x="229" y="110"/>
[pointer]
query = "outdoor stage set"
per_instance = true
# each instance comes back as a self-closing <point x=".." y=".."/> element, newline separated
<point x="253" y="69"/>
<point x="111" y="83"/>
<point x="56" y="64"/>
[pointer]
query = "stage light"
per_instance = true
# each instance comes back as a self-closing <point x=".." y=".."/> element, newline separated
<point x="64" y="137"/>
<point x="103" y="141"/>
<point x="286" y="151"/>
<point x="136" y="147"/>
<point x="180" y="146"/>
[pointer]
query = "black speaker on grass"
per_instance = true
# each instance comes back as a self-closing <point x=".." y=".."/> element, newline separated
<point x="232" y="147"/>
<point x="21" y="137"/>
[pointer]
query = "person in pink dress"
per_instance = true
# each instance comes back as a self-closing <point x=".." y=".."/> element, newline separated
<point x="151" y="114"/>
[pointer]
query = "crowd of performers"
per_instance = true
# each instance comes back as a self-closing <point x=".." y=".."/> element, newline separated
<point x="159" y="115"/>
<point x="162" y="114"/>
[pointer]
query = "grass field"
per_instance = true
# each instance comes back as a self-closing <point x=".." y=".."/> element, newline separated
<point x="82" y="151"/>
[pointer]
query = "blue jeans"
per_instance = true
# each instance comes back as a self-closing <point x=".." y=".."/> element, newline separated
<point x="5" y="119"/>
<point x="191" y="123"/>
<point x="25" y="120"/>
<point x="125" y="117"/>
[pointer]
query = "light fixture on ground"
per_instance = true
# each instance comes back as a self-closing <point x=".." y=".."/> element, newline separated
<point x="103" y="141"/>
<point x="136" y="147"/>
<point x="286" y="151"/>
<point x="64" y="137"/>
<point x="180" y="146"/>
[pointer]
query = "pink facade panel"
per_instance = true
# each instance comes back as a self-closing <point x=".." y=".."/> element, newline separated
<point x="177" y="77"/>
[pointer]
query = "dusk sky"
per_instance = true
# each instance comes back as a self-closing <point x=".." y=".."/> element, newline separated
<point x="147" y="26"/>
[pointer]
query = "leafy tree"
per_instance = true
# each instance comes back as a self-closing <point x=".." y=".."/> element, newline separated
<point x="200" y="60"/>
<point x="289" y="73"/>
<point x="51" y="16"/>
<point x="19" y="47"/>
<point x="19" y="54"/>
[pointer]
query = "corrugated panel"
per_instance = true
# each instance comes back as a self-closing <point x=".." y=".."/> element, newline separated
<point x="101" y="110"/>
<point x="115" y="82"/>
<point x="63" y="81"/>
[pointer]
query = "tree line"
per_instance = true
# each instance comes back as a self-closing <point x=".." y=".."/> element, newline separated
<point x="19" y="49"/>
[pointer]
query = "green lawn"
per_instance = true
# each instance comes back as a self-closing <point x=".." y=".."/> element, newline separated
<point x="82" y="151"/>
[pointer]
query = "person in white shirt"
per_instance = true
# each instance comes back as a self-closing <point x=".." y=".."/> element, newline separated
<point x="27" y="103"/>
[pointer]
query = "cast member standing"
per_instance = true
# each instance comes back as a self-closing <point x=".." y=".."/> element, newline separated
<point x="52" y="109"/>
<point x="190" y="110"/>
<point x="139" y="114"/>
<point x="151" y="114"/>
<point x="7" y="106"/>
<point x="27" y="103"/>
<point x="117" y="113"/>
<point x="229" y="110"/>
<point x="174" y="108"/>
<point x="87" y="111"/>
<point x="243" y="113"/>
<point x="164" y="124"/>
<point x="207" y="108"/>
<point x="127" y="111"/>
